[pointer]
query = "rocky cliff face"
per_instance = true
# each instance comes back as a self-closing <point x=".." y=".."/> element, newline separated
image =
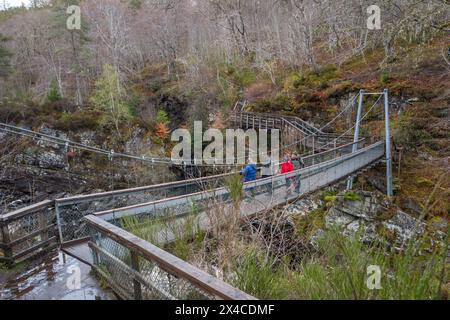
<point x="370" y="215"/>
<point x="376" y="218"/>
<point x="34" y="170"/>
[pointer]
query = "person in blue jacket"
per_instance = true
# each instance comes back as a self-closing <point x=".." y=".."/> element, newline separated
<point x="249" y="173"/>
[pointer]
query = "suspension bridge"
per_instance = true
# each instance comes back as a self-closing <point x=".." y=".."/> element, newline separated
<point x="88" y="226"/>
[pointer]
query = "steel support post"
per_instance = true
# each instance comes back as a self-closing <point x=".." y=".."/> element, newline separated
<point x="356" y="137"/>
<point x="59" y="222"/>
<point x="389" y="184"/>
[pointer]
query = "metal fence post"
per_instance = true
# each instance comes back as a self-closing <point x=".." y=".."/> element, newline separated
<point x="94" y="252"/>
<point x="334" y="147"/>
<point x="42" y="221"/>
<point x="313" y="144"/>
<point x="356" y="138"/>
<point x="136" y="284"/>
<point x="390" y="191"/>
<point x="59" y="222"/>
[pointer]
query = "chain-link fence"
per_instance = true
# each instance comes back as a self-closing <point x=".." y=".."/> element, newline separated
<point x="71" y="211"/>
<point x="137" y="270"/>
<point x="260" y="194"/>
<point x="28" y="231"/>
<point x="334" y="153"/>
<point x="297" y="134"/>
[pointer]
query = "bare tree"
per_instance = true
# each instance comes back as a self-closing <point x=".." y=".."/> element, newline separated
<point x="195" y="37"/>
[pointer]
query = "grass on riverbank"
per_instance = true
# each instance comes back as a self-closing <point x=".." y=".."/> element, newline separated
<point x="341" y="268"/>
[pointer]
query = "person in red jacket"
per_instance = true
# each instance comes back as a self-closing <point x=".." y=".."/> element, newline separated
<point x="286" y="167"/>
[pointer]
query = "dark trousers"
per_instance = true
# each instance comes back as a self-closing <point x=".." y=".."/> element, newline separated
<point x="268" y="186"/>
<point x="298" y="184"/>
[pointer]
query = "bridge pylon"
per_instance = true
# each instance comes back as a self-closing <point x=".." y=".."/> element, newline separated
<point x="359" y="118"/>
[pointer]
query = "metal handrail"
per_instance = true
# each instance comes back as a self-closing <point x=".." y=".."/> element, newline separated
<point x="168" y="262"/>
<point x="110" y="153"/>
<point x="333" y="150"/>
<point x="157" y="187"/>
<point x="17" y="214"/>
<point x="278" y="117"/>
<point x="72" y="144"/>
<point x="188" y="198"/>
<point x="27" y="231"/>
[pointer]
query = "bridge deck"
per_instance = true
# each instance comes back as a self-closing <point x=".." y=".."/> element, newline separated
<point x="80" y="251"/>
<point x="259" y="203"/>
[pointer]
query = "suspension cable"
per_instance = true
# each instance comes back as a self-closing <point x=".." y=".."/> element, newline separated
<point x="362" y="118"/>
<point x="349" y="105"/>
<point x="167" y="161"/>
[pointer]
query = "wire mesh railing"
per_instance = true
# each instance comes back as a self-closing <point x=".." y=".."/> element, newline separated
<point x="296" y="132"/>
<point x="330" y="154"/>
<point x="260" y="194"/>
<point x="27" y="232"/>
<point x="70" y="211"/>
<point x="138" y="270"/>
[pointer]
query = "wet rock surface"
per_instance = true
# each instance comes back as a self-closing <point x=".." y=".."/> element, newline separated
<point x="40" y="170"/>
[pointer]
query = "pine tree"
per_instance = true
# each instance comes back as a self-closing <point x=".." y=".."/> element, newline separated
<point x="53" y="93"/>
<point x="162" y="117"/>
